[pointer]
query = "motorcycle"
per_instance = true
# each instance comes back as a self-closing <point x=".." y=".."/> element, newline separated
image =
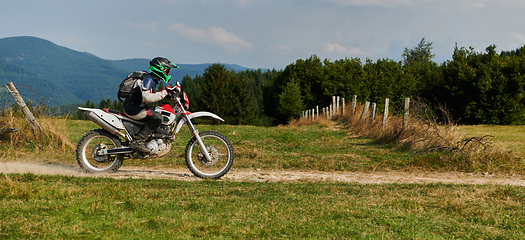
<point x="208" y="154"/>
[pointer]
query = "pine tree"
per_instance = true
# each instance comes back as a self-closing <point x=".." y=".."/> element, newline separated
<point x="290" y="100"/>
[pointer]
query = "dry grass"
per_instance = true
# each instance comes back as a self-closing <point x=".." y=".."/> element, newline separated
<point x="27" y="142"/>
<point x="322" y="121"/>
<point x="419" y="135"/>
<point x="426" y="132"/>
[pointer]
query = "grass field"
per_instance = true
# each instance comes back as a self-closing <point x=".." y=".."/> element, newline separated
<point x="52" y="207"/>
<point x="40" y="206"/>
<point x="302" y="148"/>
<point x="510" y="137"/>
<point x="332" y="148"/>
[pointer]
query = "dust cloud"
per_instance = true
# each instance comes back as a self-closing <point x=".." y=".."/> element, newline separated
<point x="40" y="168"/>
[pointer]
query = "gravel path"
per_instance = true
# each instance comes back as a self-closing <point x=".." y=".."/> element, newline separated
<point x="275" y="175"/>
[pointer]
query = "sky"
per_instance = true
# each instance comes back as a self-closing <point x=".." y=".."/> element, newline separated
<point x="266" y="33"/>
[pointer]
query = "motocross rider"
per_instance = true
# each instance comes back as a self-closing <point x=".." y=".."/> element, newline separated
<point x="142" y="93"/>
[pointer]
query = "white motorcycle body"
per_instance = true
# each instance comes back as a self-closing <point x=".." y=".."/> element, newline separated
<point x="204" y="152"/>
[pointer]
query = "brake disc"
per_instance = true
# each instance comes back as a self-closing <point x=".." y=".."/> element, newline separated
<point x="96" y="156"/>
<point x="214" y="155"/>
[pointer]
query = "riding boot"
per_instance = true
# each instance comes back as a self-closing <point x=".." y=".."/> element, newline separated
<point x="139" y="143"/>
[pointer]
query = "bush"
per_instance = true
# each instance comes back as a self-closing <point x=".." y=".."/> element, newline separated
<point x="26" y="141"/>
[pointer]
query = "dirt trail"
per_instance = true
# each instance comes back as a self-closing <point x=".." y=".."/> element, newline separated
<point x="274" y="175"/>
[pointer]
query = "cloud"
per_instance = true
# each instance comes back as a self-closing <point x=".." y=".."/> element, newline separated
<point x="212" y="36"/>
<point x="152" y="26"/>
<point x="337" y="48"/>
<point x="517" y="36"/>
<point x="373" y="3"/>
<point x="279" y="49"/>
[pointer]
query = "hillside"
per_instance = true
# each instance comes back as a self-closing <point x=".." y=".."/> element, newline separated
<point x="43" y="65"/>
<point x="33" y="86"/>
<point x="64" y="76"/>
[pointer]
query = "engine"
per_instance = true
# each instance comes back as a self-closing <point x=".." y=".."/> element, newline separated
<point x="158" y="148"/>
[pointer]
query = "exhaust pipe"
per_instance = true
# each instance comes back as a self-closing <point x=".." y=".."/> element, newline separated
<point x="96" y="119"/>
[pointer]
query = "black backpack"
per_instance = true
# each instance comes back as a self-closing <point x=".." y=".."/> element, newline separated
<point x="127" y="84"/>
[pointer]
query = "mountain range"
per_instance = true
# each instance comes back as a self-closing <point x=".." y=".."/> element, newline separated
<point x="61" y="76"/>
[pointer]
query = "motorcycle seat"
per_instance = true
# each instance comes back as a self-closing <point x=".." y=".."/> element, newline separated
<point x="122" y="116"/>
<point x="115" y="112"/>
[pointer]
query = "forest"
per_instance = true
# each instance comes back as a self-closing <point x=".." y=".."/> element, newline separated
<point x="476" y="87"/>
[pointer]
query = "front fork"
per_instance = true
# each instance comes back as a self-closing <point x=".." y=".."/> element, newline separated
<point x="195" y="133"/>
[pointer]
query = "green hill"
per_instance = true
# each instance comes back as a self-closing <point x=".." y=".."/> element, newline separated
<point x="64" y="76"/>
<point x="33" y="86"/>
<point x="54" y="70"/>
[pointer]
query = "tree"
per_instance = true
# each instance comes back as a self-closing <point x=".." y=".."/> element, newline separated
<point x="308" y="75"/>
<point x="484" y="88"/>
<point x="290" y="101"/>
<point x="420" y="53"/>
<point x="225" y="94"/>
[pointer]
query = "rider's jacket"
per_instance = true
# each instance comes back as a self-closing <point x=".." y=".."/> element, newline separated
<point x="141" y="94"/>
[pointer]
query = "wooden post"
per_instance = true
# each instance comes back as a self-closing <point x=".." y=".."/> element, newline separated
<point x="365" y="110"/>
<point x="343" y="108"/>
<point x="354" y="102"/>
<point x="372" y="113"/>
<point x="405" y="113"/>
<point x="307" y="114"/>
<point x="330" y="109"/>
<point x="313" y="115"/>
<point x="29" y="116"/>
<point x="337" y="104"/>
<point x="334" y="106"/>
<point x="317" y="110"/>
<point x="385" y="114"/>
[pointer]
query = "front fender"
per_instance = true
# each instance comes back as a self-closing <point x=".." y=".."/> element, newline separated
<point x="196" y="115"/>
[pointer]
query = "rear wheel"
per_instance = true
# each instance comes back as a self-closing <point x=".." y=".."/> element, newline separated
<point x="221" y="153"/>
<point x="88" y="152"/>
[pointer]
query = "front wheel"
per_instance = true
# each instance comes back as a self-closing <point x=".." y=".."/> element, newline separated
<point x="221" y="153"/>
<point x="88" y="152"/>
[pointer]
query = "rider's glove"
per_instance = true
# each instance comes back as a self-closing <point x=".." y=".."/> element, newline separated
<point x="170" y="89"/>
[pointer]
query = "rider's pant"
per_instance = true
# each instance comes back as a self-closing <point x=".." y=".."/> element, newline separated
<point x="153" y="118"/>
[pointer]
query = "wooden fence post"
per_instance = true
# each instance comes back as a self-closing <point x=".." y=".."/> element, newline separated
<point x="338" y="104"/>
<point x="372" y="113"/>
<point x="317" y="110"/>
<point x="343" y="108"/>
<point x="29" y="116"/>
<point x="365" y="110"/>
<point x="385" y="114"/>
<point x="405" y="113"/>
<point x="331" y="109"/>
<point x="354" y="102"/>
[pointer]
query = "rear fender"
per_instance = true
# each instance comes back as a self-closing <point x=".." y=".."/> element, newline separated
<point x="197" y="115"/>
<point x="107" y="117"/>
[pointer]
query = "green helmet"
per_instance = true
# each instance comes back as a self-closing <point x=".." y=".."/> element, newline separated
<point x="160" y="67"/>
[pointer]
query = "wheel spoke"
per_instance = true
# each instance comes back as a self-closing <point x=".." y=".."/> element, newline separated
<point x="89" y="152"/>
<point x="221" y="153"/>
